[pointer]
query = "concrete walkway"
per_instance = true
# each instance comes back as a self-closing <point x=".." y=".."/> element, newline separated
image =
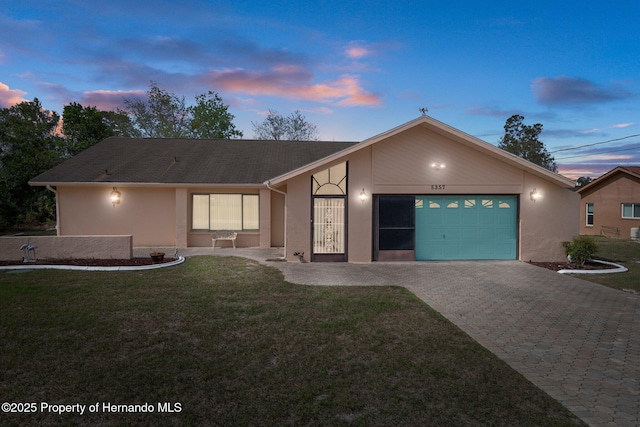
<point x="577" y="341"/>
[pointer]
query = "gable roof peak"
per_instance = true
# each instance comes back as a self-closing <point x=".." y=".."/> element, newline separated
<point x="633" y="171"/>
<point x="451" y="133"/>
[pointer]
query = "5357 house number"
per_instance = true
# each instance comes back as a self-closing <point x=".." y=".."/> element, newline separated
<point x="437" y="187"/>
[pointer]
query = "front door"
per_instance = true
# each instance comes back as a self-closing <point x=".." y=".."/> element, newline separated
<point x="328" y="229"/>
<point x="329" y="213"/>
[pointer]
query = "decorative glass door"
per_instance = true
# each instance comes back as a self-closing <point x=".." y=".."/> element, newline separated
<point x="329" y="214"/>
<point x="328" y="225"/>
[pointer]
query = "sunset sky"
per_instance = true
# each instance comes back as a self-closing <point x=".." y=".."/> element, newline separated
<point x="354" y="68"/>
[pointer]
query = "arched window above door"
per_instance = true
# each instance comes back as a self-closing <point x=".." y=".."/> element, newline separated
<point x="332" y="181"/>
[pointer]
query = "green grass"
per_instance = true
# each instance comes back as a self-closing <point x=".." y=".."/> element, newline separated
<point x="49" y="231"/>
<point x="621" y="251"/>
<point x="236" y="345"/>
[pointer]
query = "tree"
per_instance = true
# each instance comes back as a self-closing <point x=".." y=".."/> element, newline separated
<point x="85" y="126"/>
<point x="210" y="118"/>
<point x="291" y="128"/>
<point x="164" y="115"/>
<point x="582" y="181"/>
<point x="28" y="146"/>
<point x="522" y="140"/>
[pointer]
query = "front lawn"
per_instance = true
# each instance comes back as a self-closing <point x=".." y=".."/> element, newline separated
<point x="227" y="342"/>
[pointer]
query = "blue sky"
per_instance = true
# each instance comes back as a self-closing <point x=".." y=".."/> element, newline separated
<point x="355" y="69"/>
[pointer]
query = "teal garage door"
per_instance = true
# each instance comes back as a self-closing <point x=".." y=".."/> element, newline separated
<point x="466" y="227"/>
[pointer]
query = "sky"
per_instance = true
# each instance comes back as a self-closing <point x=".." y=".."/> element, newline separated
<point x="353" y="68"/>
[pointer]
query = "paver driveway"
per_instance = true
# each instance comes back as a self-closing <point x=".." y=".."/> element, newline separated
<point x="578" y="341"/>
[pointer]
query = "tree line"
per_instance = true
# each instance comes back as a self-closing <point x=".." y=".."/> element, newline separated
<point x="33" y="139"/>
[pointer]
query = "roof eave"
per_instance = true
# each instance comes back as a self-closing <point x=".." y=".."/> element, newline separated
<point x="144" y="184"/>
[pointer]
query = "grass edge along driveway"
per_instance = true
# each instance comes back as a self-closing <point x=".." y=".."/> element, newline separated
<point x="231" y="343"/>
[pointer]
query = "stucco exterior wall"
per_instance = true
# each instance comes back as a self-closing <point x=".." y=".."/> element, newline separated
<point x="607" y="199"/>
<point x="159" y="216"/>
<point x="402" y="165"/>
<point x="277" y="219"/>
<point x="547" y="222"/>
<point x="360" y="220"/>
<point x="299" y="217"/>
<point x="65" y="247"/>
<point x="146" y="213"/>
<point x="359" y="216"/>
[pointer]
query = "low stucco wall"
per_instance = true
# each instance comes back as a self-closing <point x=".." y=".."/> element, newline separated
<point x="51" y="247"/>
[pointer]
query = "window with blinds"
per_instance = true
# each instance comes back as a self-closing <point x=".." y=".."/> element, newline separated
<point x="225" y="212"/>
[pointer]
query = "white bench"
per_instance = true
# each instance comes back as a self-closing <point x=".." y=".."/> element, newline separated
<point x="224" y="235"/>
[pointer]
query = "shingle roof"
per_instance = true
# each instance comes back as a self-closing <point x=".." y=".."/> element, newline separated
<point x="633" y="171"/>
<point x="214" y="161"/>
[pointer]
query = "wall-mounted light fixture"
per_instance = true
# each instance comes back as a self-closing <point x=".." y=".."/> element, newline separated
<point x="535" y="195"/>
<point x="363" y="196"/>
<point x="115" y="197"/>
<point x="438" y="166"/>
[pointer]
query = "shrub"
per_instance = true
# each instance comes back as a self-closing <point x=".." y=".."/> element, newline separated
<point x="580" y="249"/>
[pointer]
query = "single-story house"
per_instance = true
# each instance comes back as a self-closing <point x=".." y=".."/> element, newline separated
<point x="610" y="205"/>
<point x="420" y="191"/>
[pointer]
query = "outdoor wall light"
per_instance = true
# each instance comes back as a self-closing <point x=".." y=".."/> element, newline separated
<point x="115" y="197"/>
<point x="535" y="195"/>
<point x="438" y="166"/>
<point x="363" y="196"/>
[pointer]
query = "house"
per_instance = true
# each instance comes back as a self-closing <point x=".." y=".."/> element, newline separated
<point x="610" y="205"/>
<point x="421" y="191"/>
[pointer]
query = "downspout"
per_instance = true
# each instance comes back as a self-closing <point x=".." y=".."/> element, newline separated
<point x="268" y="184"/>
<point x="57" y="209"/>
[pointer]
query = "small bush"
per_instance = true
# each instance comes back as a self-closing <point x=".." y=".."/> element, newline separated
<point x="580" y="249"/>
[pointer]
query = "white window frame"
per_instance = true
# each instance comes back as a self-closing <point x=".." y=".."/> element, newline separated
<point x="587" y="214"/>
<point x="248" y="212"/>
<point x="634" y="206"/>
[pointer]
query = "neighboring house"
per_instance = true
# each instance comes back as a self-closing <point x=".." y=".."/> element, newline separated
<point x="610" y="205"/>
<point x="421" y="191"/>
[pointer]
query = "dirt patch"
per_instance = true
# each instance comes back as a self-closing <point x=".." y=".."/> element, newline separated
<point x="91" y="262"/>
<point x="557" y="266"/>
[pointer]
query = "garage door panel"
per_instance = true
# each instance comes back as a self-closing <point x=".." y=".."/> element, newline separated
<point x="466" y="227"/>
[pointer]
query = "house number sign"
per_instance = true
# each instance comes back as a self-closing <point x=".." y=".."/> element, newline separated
<point x="437" y="186"/>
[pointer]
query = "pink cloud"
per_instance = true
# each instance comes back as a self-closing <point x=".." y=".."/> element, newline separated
<point x="575" y="173"/>
<point x="622" y="125"/>
<point x="109" y="100"/>
<point x="591" y="168"/>
<point x="293" y="82"/>
<point x="357" y="52"/>
<point x="356" y="95"/>
<point x="10" y="97"/>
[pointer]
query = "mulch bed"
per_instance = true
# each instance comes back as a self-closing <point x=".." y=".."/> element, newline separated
<point x="90" y="262"/>
<point x="557" y="266"/>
